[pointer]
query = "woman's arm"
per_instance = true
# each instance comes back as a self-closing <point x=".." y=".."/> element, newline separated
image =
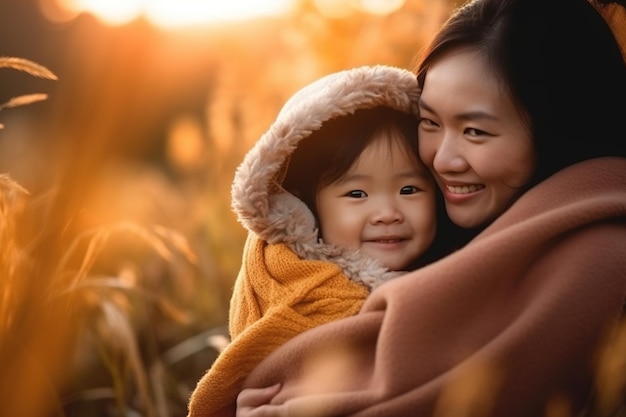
<point x="255" y="402"/>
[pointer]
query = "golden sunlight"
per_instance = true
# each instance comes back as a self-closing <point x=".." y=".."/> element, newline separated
<point x="172" y="14"/>
<point x="382" y="7"/>
<point x="165" y="13"/>
<point x="344" y="8"/>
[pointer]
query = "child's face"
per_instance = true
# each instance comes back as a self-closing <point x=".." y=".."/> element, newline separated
<point x="384" y="206"/>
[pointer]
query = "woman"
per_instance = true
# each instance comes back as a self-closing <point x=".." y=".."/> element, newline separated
<point x="522" y="125"/>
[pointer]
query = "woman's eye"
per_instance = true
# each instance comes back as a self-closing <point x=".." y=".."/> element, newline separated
<point x="427" y="124"/>
<point x="409" y="189"/>
<point x="470" y="131"/>
<point x="356" y="194"/>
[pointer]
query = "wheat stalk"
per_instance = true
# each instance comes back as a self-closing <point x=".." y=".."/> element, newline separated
<point x="25" y="65"/>
<point x="32" y="68"/>
<point x="23" y="100"/>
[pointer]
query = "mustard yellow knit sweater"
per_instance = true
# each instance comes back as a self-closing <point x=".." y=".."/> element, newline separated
<point x="276" y="297"/>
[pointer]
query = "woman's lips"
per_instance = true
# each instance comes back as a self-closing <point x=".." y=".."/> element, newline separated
<point x="464" y="189"/>
<point x="460" y="193"/>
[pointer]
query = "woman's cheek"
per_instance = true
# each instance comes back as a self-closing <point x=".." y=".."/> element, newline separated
<point x="427" y="151"/>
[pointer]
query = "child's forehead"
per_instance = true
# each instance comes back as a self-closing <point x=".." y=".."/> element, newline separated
<point x="387" y="147"/>
<point x="392" y="143"/>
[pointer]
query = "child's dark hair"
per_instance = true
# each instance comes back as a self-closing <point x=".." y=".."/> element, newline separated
<point x="329" y="152"/>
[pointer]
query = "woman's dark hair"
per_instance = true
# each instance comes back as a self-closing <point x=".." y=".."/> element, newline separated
<point x="562" y="66"/>
<point x="329" y="152"/>
<point x="609" y="2"/>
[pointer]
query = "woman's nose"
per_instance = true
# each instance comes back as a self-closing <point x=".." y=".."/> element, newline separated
<point x="449" y="156"/>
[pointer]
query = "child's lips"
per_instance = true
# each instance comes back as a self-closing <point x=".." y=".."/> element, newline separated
<point x="386" y="240"/>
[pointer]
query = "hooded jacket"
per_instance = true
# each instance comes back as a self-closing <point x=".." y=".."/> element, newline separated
<point x="290" y="281"/>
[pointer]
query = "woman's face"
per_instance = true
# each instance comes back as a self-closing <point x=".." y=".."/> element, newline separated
<point x="473" y="139"/>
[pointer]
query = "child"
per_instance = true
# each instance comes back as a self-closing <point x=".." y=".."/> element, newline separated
<point x="336" y="201"/>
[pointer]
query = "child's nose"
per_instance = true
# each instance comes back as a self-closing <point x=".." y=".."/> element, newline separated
<point x="386" y="212"/>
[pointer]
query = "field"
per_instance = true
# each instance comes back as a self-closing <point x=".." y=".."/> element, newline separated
<point x="119" y="248"/>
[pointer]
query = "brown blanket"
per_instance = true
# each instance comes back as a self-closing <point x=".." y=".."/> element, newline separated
<point x="506" y="326"/>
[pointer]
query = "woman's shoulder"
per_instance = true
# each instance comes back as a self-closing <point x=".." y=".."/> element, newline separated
<point x="586" y="192"/>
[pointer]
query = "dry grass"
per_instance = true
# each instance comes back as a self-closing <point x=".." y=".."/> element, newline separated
<point x="81" y="308"/>
<point x="56" y="312"/>
<point x="29" y="67"/>
<point x="55" y="316"/>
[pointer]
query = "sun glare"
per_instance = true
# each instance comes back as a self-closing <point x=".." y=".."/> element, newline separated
<point x="344" y="8"/>
<point x="166" y="13"/>
<point x="172" y="14"/>
<point x="382" y="7"/>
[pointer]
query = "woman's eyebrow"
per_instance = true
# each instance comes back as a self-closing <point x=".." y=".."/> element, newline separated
<point x="424" y="105"/>
<point x="469" y="115"/>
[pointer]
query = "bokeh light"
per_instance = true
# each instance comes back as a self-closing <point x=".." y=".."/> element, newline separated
<point x="166" y="13"/>
<point x="172" y="14"/>
<point x="382" y="7"/>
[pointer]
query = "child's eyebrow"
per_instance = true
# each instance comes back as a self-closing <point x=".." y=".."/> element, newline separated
<point x="352" y="177"/>
<point x="363" y="177"/>
<point x="415" y="174"/>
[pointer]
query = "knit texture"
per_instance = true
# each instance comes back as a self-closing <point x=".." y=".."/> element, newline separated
<point x="283" y="297"/>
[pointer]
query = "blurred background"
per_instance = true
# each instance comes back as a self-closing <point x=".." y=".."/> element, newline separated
<point x="118" y="246"/>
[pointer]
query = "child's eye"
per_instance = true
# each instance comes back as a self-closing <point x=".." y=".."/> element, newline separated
<point x="356" y="194"/>
<point x="409" y="189"/>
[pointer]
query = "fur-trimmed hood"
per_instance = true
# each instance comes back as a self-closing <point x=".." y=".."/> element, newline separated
<point x="261" y="204"/>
